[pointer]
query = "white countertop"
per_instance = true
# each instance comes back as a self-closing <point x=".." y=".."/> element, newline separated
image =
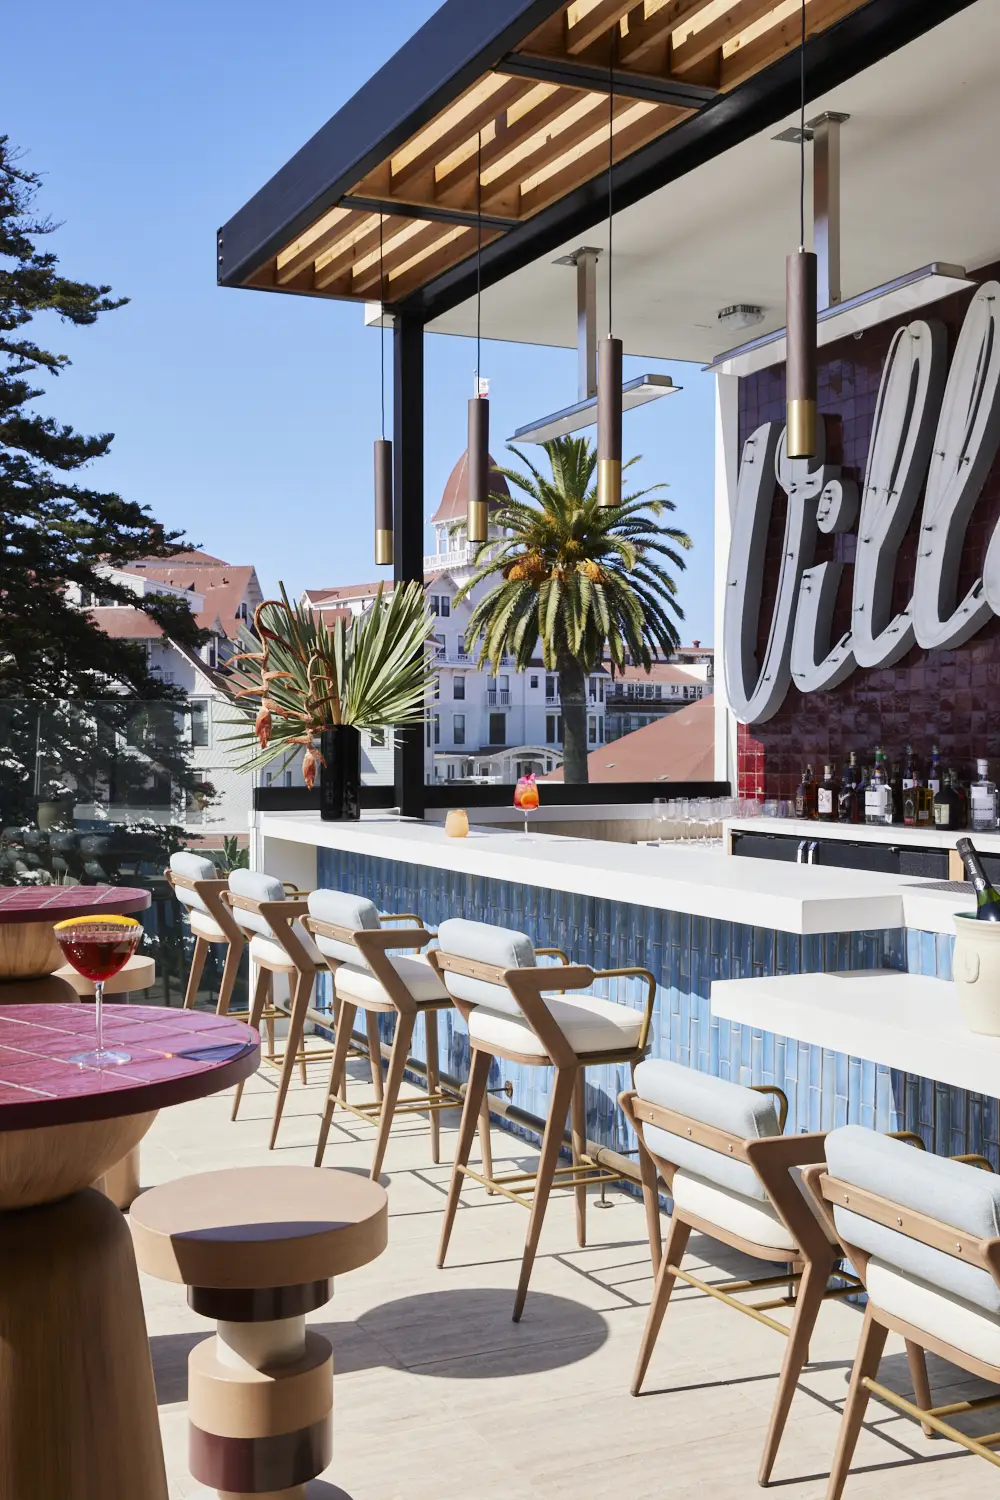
<point x="705" y="882"/>
<point x="896" y="834"/>
<point x="901" y="1020"/>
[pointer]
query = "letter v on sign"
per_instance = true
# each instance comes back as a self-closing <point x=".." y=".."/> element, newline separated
<point x="965" y="445"/>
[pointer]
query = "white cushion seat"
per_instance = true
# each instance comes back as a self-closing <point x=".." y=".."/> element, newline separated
<point x="588" y="1023"/>
<point x="939" y="1313"/>
<point x="269" y="953"/>
<point x="206" y="927"/>
<point x="749" y="1218"/>
<point x="362" y="987"/>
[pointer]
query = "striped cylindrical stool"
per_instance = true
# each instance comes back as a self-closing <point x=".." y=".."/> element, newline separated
<point x="258" y="1248"/>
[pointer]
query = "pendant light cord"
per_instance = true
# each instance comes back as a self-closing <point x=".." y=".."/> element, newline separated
<point x="381" y="293"/>
<point x="802" y="133"/>
<point x="479" y="253"/>
<point x="611" y="163"/>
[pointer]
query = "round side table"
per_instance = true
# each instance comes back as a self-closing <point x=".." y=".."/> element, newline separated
<point x="28" y="948"/>
<point x="257" y="1248"/>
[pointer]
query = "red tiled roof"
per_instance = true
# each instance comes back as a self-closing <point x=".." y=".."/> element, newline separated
<point x="199" y="559"/>
<point x="125" y="623"/>
<point x="222" y="585"/>
<point x="455" y="500"/>
<point x="660" y="672"/>
<point x="676" y="747"/>
<point x="324" y="597"/>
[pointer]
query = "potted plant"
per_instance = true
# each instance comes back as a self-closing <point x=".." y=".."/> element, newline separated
<point x="300" y="682"/>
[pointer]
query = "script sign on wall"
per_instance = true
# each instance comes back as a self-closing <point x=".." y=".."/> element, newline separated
<point x="936" y="433"/>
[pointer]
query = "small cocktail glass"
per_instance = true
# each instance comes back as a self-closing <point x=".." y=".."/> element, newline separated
<point x="526" y="798"/>
<point x="98" y="947"/>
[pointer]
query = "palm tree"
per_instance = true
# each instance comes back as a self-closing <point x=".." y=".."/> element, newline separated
<point x="582" y="580"/>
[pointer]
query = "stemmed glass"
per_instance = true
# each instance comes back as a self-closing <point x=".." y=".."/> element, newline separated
<point x="660" y="814"/>
<point x="97" y="948"/>
<point x="526" y="798"/>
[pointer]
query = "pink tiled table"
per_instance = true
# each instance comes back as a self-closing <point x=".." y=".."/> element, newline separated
<point x="77" y="1406"/>
<point x="28" y="949"/>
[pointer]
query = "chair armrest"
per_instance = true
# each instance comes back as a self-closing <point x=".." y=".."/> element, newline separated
<point x="401" y="916"/>
<point x="647" y="1012"/>
<point x="554" y="953"/>
<point x="398" y="937"/>
<point x="780" y="1095"/>
<point x="293" y="890"/>
<point x="973" y="1159"/>
<point x="909" y="1136"/>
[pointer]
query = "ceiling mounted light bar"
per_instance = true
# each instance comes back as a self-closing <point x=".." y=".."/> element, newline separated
<point x="894" y="299"/>
<point x="636" y="392"/>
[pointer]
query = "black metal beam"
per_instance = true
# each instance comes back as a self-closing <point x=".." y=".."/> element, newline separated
<point x="408" y="524"/>
<point x="432" y="213"/>
<point x="460" y="42"/>
<point x="833" y="56"/>
<point x="577" y="75"/>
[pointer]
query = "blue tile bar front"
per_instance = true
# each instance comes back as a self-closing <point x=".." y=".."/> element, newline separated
<point x="686" y="953"/>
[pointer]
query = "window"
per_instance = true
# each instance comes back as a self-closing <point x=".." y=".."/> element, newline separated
<point x="445" y="607"/>
<point x="533" y="681"/>
<point x="211" y="654"/>
<point x="434" y="604"/>
<point x="288" y="778"/>
<point x="199" y="722"/>
<point x="503" y="683"/>
<point x="437" y="689"/>
<point x="377" y="738"/>
<point x="498" y="729"/>
<point x="658" y="691"/>
<point x="242" y="613"/>
<point x="553" y="729"/>
<point x="458" y="729"/>
<point x="592" y="731"/>
<point x="437" y="729"/>
<point x="458" y="687"/>
<point x="550" y="689"/>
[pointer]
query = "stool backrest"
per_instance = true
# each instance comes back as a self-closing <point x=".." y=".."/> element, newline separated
<point x="341" y="909"/>
<point x="498" y="948"/>
<point x="191" y="867"/>
<point x="731" y="1113"/>
<point x="894" y="1197"/>
<point x="256" y="886"/>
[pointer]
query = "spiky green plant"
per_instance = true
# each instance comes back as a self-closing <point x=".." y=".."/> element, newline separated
<point x="296" y="676"/>
<point x="580" y="581"/>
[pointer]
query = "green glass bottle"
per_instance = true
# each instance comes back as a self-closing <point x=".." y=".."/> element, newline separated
<point x="987" y="898"/>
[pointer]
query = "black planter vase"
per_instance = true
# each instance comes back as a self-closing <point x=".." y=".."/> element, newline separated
<point x="340" y="773"/>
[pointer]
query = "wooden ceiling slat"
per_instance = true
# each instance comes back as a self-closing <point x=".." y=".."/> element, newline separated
<point x="457" y="187"/>
<point x="299" y="255"/>
<point x="649" y="31"/>
<point x="455" y="134"/>
<point x="595" y="24"/>
<point x="713" y="37"/>
<point x="340" y="258"/>
<point x="438" y="261"/>
<point x="781" y="39"/>
<point x="366" y="279"/>
<point x="630" y="138"/>
<point x="566" y="140"/>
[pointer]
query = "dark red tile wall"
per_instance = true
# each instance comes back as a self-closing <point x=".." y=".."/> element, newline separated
<point x="951" y="698"/>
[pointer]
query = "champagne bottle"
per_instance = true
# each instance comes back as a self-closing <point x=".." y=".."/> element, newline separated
<point x="878" y="793"/>
<point x="828" y="797"/>
<point x="987" y="898"/>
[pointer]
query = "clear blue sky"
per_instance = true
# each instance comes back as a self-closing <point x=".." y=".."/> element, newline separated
<point x="247" y="419"/>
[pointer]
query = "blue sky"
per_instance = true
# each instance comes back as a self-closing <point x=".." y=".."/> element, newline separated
<point x="243" y="418"/>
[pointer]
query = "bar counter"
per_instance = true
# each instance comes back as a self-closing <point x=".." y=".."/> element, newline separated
<point x="693" y="916"/>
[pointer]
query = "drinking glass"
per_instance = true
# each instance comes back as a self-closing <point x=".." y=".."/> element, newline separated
<point x="97" y="948"/>
<point x="660" y="805"/>
<point x="526" y="798"/>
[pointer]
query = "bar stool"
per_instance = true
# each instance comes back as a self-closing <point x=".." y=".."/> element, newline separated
<point x="279" y="944"/>
<point x="923" y="1233"/>
<point x="733" y="1176"/>
<point x="349" y="933"/>
<point x="257" y="1248"/>
<point x="198" y="888"/>
<point x="508" y="1002"/>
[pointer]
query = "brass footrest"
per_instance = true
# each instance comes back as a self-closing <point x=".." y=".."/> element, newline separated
<point x="371" y="1110"/>
<point x="583" y="1173"/>
<point x="723" y="1291"/>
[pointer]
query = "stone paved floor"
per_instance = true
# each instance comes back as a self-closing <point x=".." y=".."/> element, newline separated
<point x="439" y="1396"/>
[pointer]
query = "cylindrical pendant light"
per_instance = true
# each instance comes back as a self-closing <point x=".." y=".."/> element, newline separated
<point x="609" y="350"/>
<point x="800" y="309"/>
<point x="478" y="456"/>
<point x="383" y="448"/>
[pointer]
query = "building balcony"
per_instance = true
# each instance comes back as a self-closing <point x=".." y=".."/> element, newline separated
<point x="457" y="557"/>
<point x="498" y="697"/>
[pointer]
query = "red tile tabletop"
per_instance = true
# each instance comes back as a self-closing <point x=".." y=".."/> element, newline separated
<point x="177" y="1055"/>
<point x="54" y="903"/>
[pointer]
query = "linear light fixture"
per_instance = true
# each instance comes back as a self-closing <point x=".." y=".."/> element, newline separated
<point x="893" y="299"/>
<point x="637" y="392"/>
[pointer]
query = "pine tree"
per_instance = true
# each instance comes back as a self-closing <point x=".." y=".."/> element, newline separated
<point x="56" y="532"/>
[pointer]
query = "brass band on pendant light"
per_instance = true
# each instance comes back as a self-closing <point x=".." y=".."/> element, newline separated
<point x="383" y="447"/>
<point x="478" y="455"/>
<point x="800" y="310"/>
<point x="609" y="351"/>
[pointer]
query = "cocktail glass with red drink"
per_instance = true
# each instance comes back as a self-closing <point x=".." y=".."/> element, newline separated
<point x="526" y="798"/>
<point x="98" y="947"/>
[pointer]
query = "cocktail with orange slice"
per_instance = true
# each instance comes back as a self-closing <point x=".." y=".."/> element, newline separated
<point x="97" y="947"/>
<point x="526" y="797"/>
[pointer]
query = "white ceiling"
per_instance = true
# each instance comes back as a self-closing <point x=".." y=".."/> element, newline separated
<point x="919" y="184"/>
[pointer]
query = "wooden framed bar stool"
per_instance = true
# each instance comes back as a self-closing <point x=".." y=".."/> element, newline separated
<point x="735" y="1177"/>
<point x="279" y="944"/>
<point x="200" y="890"/>
<point x="520" y="1011"/>
<point x="350" y="934"/>
<point x="923" y="1233"/>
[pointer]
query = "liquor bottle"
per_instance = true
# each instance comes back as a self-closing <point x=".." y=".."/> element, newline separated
<point x="934" y="774"/>
<point x="962" y="793"/>
<point x="910" y="773"/>
<point x="987" y="899"/>
<point x="911" y="802"/>
<point x="896" y="786"/>
<point x="948" y="805"/>
<point x="848" y="791"/>
<point x="878" y="793"/>
<point x="925" y="803"/>
<point x="805" y="795"/>
<point x="983" y="800"/>
<point x="828" y="797"/>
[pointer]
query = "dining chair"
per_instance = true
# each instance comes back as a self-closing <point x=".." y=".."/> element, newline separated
<point x="200" y="890"/>
<point x="735" y="1177"/>
<point x="524" y="1013"/>
<point x="272" y="921"/>
<point x="923" y="1233"/>
<point x="356" y="942"/>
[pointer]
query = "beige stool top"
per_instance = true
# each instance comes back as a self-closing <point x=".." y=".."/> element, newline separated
<point x="252" y="1227"/>
<point x="138" y="974"/>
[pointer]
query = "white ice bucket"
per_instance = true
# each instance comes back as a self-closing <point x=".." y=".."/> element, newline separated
<point x="976" y="967"/>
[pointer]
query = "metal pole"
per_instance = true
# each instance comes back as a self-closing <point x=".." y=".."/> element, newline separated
<point x="826" y="206"/>
<point x="408" y="524"/>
